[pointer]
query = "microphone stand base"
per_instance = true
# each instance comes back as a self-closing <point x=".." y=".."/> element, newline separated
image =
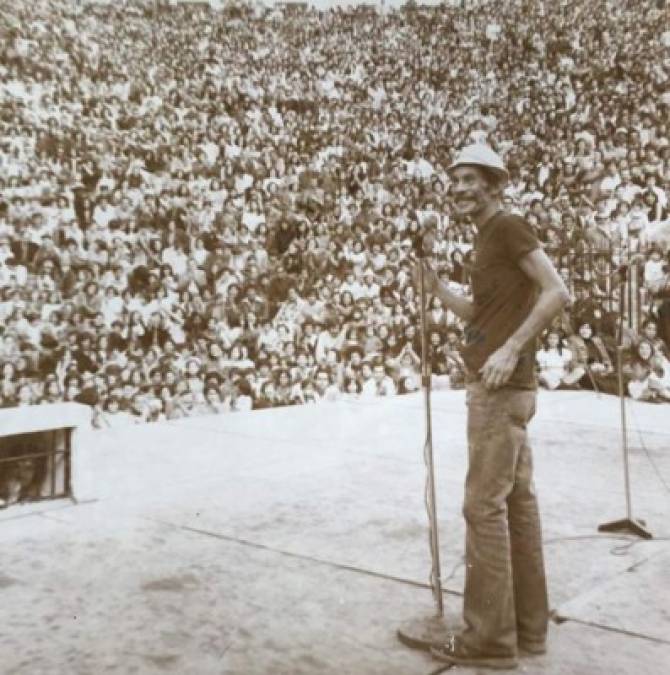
<point x="628" y="526"/>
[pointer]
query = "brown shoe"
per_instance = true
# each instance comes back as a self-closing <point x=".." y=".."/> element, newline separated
<point x="454" y="651"/>
<point x="533" y="648"/>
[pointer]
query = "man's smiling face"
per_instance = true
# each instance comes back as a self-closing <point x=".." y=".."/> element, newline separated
<point x="471" y="193"/>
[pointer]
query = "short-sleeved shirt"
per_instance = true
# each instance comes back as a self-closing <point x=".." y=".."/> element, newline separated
<point x="503" y="295"/>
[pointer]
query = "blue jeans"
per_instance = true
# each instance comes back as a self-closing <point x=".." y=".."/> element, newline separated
<point x="505" y="587"/>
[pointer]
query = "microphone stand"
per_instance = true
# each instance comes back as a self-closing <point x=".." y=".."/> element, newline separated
<point x="628" y="524"/>
<point x="627" y="290"/>
<point x="427" y="631"/>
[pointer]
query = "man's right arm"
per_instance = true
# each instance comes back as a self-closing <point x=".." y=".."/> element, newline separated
<point x="463" y="307"/>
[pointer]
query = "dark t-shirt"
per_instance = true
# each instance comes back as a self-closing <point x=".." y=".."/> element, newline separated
<point x="503" y="295"/>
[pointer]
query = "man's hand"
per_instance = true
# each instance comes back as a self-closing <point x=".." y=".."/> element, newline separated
<point x="499" y="366"/>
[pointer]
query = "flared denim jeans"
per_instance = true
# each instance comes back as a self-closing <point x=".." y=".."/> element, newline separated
<point x="505" y="600"/>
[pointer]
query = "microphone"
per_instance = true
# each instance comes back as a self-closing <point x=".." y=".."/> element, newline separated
<point x="424" y="240"/>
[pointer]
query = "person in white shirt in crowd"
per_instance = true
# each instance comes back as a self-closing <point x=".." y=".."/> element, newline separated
<point x="380" y="384"/>
<point x="554" y="361"/>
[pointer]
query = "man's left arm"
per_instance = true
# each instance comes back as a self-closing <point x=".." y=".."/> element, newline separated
<point x="552" y="298"/>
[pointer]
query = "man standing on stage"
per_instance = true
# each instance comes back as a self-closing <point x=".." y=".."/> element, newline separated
<point x="516" y="293"/>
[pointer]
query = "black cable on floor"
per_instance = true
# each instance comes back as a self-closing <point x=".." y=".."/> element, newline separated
<point x="307" y="558"/>
<point x="648" y="454"/>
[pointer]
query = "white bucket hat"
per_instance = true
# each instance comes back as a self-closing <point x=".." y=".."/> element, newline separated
<point x="479" y="154"/>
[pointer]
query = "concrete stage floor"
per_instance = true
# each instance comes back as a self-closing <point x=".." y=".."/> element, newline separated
<point x="294" y="542"/>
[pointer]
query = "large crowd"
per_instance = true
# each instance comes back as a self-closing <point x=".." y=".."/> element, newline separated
<point x="204" y="212"/>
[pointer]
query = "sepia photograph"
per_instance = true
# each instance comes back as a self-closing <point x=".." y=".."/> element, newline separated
<point x="334" y="337"/>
